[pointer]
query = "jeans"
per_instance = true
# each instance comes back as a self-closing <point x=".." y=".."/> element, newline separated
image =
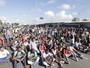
<point x="2" y="60"/>
<point x="15" y="63"/>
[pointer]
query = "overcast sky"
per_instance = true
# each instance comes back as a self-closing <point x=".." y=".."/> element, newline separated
<point x="29" y="11"/>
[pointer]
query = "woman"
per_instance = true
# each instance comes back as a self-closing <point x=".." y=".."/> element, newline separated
<point x="32" y="57"/>
<point x="56" y="55"/>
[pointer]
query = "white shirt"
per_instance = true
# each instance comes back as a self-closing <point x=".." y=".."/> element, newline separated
<point x="34" y="45"/>
<point x="71" y="48"/>
<point x="44" y="55"/>
<point x="77" y="44"/>
<point x="4" y="53"/>
<point x="26" y="44"/>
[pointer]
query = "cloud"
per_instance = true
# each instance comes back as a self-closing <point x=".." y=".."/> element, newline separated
<point x="65" y="6"/>
<point x="2" y="2"/>
<point x="75" y="13"/>
<point x="49" y="13"/>
<point x="50" y="1"/>
<point x="47" y="2"/>
<point x="3" y="18"/>
<point x="59" y="16"/>
<point x="63" y="16"/>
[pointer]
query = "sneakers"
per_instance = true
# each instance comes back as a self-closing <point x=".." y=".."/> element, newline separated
<point x="62" y="62"/>
<point x="68" y="62"/>
<point x="77" y="59"/>
<point x="61" y="65"/>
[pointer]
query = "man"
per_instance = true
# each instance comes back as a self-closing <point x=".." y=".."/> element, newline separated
<point x="4" y="55"/>
<point x="49" y="43"/>
<point x="47" y="58"/>
<point x="34" y="45"/>
<point x="68" y="52"/>
<point x="32" y="57"/>
<point x="19" y="56"/>
<point x="74" y="52"/>
<point x="15" y="44"/>
<point x="1" y="41"/>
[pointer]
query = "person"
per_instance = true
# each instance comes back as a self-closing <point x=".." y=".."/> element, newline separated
<point x="42" y="47"/>
<point x="19" y="56"/>
<point x="4" y="55"/>
<point x="15" y="45"/>
<point x="47" y="58"/>
<point x="32" y="57"/>
<point x="26" y="45"/>
<point x="49" y="42"/>
<point x="57" y="55"/>
<point x="34" y="45"/>
<point x="74" y="52"/>
<point x="77" y="45"/>
<point x="1" y="41"/>
<point x="67" y="53"/>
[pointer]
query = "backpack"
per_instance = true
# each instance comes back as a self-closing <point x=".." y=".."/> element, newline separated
<point x="18" y="52"/>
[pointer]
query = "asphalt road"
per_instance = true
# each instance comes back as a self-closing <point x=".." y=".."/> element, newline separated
<point x="84" y="63"/>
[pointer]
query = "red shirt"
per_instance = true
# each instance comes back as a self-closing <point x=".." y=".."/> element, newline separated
<point x="20" y="39"/>
<point x="66" y="51"/>
<point x="42" y="47"/>
<point x="1" y="41"/>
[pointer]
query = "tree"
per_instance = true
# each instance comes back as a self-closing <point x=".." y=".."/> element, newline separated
<point x="84" y="20"/>
<point x="75" y="19"/>
<point x="15" y="24"/>
<point x="1" y="22"/>
<point x="41" y="18"/>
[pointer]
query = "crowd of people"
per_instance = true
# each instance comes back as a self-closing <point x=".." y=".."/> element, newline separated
<point x="46" y="46"/>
